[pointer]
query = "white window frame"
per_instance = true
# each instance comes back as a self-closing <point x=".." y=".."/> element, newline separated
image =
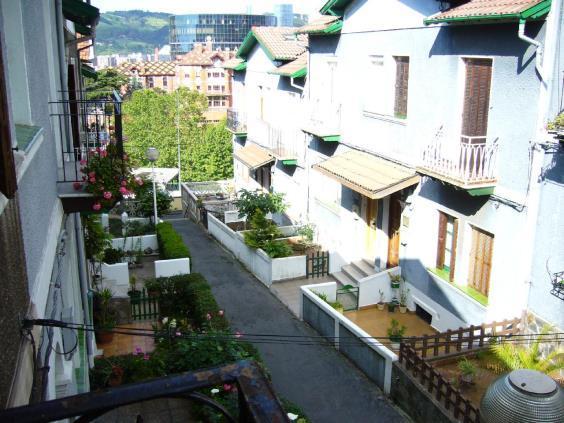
<point x="380" y="82"/>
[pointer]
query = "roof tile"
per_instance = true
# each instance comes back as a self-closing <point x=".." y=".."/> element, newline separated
<point x="281" y="42"/>
<point x="485" y="8"/>
<point x="318" y="25"/>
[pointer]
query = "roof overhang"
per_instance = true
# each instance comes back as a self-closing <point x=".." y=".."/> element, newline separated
<point x="253" y="156"/>
<point x="248" y="44"/>
<point x="332" y="25"/>
<point x="88" y="71"/>
<point x="81" y="13"/>
<point x="369" y="175"/>
<point x="457" y="15"/>
<point x="335" y="7"/>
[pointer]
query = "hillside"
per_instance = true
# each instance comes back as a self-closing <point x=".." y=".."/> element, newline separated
<point x="131" y="31"/>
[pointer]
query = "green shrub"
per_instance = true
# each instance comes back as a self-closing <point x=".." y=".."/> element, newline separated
<point x="131" y="367"/>
<point x="262" y="234"/>
<point x="277" y="249"/>
<point x="112" y="256"/>
<point x="171" y="245"/>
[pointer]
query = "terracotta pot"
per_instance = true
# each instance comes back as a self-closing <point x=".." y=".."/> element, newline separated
<point x="104" y="336"/>
<point x="403" y="309"/>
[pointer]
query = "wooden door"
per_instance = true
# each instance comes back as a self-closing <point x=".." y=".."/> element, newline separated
<point x="394" y="221"/>
<point x="480" y="261"/>
<point x="370" y="214"/>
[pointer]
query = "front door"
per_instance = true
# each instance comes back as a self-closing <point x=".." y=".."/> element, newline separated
<point x="370" y="209"/>
<point x="393" y="230"/>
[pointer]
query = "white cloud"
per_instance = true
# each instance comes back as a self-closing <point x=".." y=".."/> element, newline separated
<point x="208" y="6"/>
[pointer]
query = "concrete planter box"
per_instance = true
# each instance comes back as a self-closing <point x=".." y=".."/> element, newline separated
<point x="116" y="277"/>
<point x="131" y="243"/>
<point x="173" y="267"/>
<point x="266" y="269"/>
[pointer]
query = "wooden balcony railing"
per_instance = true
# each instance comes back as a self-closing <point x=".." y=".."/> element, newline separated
<point x="468" y="163"/>
<point x="236" y="121"/>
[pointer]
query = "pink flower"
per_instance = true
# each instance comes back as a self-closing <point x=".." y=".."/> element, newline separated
<point x="123" y="183"/>
<point x="220" y="312"/>
<point x="208" y="316"/>
<point x="178" y="333"/>
<point x="82" y="162"/>
<point x="92" y="180"/>
<point x="139" y="181"/>
<point x="97" y="149"/>
<point x="107" y="195"/>
<point x="96" y="206"/>
<point x="146" y="356"/>
<point x="138" y="350"/>
<point x="238" y="334"/>
<point x="124" y="190"/>
<point x="103" y="153"/>
<point x="92" y="174"/>
<point x="227" y="387"/>
<point x="77" y="185"/>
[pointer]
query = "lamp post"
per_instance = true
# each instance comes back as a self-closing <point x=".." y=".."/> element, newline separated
<point x="153" y="155"/>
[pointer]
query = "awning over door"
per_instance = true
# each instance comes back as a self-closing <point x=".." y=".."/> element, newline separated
<point x="369" y="175"/>
<point x="253" y="156"/>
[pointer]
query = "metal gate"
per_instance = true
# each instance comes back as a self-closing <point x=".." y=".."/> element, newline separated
<point x="144" y="306"/>
<point x="317" y="264"/>
<point x="348" y="297"/>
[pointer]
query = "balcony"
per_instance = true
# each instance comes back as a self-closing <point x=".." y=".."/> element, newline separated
<point x="469" y="164"/>
<point x="323" y="120"/>
<point x="84" y="128"/>
<point x="257" y="400"/>
<point x="237" y="122"/>
<point x="284" y="144"/>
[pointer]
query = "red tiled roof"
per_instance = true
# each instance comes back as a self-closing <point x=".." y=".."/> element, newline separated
<point x="201" y="56"/>
<point x="281" y="42"/>
<point x="487" y="9"/>
<point x="148" y="68"/>
<point x="318" y="25"/>
<point x="290" y="68"/>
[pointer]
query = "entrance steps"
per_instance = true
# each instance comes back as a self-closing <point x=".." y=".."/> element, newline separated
<point x="352" y="273"/>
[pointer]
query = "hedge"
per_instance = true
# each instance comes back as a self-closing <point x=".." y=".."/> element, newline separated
<point x="170" y="242"/>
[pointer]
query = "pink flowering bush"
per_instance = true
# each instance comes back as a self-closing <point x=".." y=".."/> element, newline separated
<point x="107" y="176"/>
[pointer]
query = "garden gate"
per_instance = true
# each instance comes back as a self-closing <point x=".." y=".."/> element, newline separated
<point x="317" y="264"/>
<point x="144" y="306"/>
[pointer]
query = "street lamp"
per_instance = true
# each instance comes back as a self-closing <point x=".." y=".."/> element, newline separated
<point x="152" y="156"/>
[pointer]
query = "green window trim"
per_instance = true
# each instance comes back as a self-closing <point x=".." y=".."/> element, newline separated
<point x="533" y="12"/>
<point x="290" y="162"/>
<point x="334" y="7"/>
<point x="240" y="67"/>
<point x="299" y="73"/>
<point x="332" y="138"/>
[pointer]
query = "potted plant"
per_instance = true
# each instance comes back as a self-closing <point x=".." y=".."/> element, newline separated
<point x="133" y="291"/>
<point x="112" y="256"/>
<point x="104" y="318"/>
<point x="392" y="305"/>
<point x="403" y="300"/>
<point x="381" y="302"/>
<point x="396" y="332"/>
<point x="337" y="306"/>
<point x="395" y="281"/>
<point x="152" y="287"/>
<point x="467" y="370"/>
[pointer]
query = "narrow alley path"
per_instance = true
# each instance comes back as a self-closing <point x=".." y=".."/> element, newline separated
<point x="315" y="377"/>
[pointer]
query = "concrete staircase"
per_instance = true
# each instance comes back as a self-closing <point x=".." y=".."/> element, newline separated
<point x="353" y="272"/>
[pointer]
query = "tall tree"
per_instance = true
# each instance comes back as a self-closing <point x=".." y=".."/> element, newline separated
<point x="106" y="82"/>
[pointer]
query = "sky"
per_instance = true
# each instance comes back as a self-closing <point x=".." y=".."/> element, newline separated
<point x="207" y="6"/>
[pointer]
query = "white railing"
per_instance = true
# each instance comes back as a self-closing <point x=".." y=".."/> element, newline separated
<point x="472" y="160"/>
<point x="283" y="143"/>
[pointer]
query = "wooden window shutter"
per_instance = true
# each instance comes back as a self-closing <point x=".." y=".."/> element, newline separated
<point x="441" y="240"/>
<point x="8" y="179"/>
<point x="476" y="97"/>
<point x="453" y="250"/>
<point x="481" y="261"/>
<point x="402" y="78"/>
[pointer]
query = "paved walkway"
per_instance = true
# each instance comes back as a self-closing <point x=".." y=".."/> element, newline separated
<point x="315" y="377"/>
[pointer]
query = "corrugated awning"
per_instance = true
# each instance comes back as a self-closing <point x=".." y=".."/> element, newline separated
<point x="253" y="156"/>
<point x="369" y="175"/>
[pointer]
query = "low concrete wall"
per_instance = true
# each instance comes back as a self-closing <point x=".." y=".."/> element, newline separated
<point x="116" y="277"/>
<point x="173" y="267"/>
<point x="369" y="287"/>
<point x="373" y="358"/>
<point x="131" y="243"/>
<point x="231" y="216"/>
<point x="417" y="403"/>
<point x="266" y="269"/>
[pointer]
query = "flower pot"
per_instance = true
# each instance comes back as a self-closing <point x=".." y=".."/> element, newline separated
<point x="395" y="285"/>
<point x="380" y="306"/>
<point x="391" y="307"/>
<point x="403" y="309"/>
<point x="104" y="336"/>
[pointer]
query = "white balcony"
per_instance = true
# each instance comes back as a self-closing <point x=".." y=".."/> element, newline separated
<point x="468" y="163"/>
<point x="237" y="122"/>
<point x="323" y="120"/>
<point x="284" y="144"/>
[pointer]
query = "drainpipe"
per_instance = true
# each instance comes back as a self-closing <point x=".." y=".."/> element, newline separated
<point x="537" y="44"/>
<point x="83" y="280"/>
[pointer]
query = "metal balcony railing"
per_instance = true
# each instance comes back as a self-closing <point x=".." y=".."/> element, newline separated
<point x="236" y="121"/>
<point x="284" y="144"/>
<point x="84" y="125"/>
<point x="471" y="161"/>
<point x="257" y="400"/>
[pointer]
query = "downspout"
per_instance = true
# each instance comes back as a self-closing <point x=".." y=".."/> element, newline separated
<point x="537" y="44"/>
<point x="83" y="280"/>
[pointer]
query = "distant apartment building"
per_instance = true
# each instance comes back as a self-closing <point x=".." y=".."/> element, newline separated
<point x="225" y="30"/>
<point x="284" y="14"/>
<point x="151" y="74"/>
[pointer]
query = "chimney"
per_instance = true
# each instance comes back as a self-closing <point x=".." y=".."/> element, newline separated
<point x="209" y="44"/>
<point x="156" y="54"/>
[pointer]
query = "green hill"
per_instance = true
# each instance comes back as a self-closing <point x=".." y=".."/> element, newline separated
<point x="131" y="31"/>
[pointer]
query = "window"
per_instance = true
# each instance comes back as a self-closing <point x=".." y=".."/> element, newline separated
<point x="198" y="87"/>
<point x="209" y="87"/>
<point x="476" y="100"/>
<point x="402" y="77"/>
<point x="209" y="74"/>
<point x="262" y="176"/>
<point x="150" y="82"/>
<point x="216" y="87"/>
<point x="165" y="81"/>
<point x="216" y="74"/>
<point x="446" y="246"/>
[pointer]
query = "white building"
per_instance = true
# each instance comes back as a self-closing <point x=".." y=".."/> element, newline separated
<point x="426" y="147"/>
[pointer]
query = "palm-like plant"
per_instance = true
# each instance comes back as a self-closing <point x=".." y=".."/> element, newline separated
<point x="510" y="356"/>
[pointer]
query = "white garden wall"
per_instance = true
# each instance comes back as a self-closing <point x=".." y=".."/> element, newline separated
<point x="173" y="267"/>
<point x="116" y="277"/>
<point x="266" y="269"/>
<point x="130" y="243"/>
<point x="369" y="287"/>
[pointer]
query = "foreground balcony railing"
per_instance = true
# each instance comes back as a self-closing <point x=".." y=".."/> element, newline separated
<point x="323" y="119"/>
<point x="469" y="164"/>
<point x="284" y="144"/>
<point x="257" y="400"/>
<point x="236" y="122"/>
